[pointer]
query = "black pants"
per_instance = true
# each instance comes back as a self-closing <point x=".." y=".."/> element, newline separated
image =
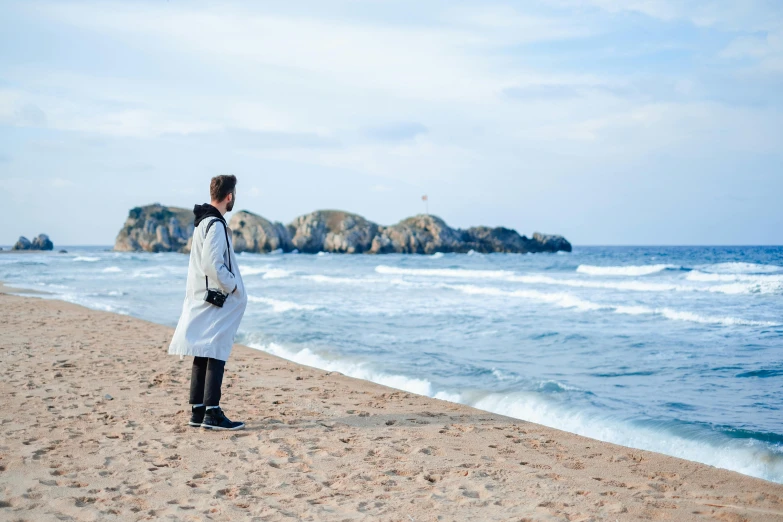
<point x="206" y="378"/>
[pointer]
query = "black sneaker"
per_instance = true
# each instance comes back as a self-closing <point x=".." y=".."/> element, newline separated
<point x="197" y="415"/>
<point x="215" y="419"/>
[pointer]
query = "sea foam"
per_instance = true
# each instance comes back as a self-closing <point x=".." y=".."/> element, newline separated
<point x="356" y="369"/>
<point x="280" y="306"/>
<point x="740" y="268"/>
<point x="753" y="286"/>
<point x="565" y="300"/>
<point x="444" y="272"/>
<point x="756" y="459"/>
<point x="630" y="271"/>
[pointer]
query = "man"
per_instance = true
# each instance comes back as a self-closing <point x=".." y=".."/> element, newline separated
<point x="206" y="329"/>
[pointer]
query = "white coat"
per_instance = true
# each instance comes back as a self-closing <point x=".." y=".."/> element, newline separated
<point x="206" y="330"/>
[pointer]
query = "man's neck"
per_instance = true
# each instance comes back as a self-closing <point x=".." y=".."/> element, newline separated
<point x="221" y="208"/>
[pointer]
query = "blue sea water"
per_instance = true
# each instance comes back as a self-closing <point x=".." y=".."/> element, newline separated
<point x="670" y="349"/>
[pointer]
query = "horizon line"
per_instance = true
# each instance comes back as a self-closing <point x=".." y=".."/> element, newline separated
<point x="595" y="245"/>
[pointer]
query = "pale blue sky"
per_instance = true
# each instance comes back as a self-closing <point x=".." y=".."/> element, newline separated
<point x="608" y="121"/>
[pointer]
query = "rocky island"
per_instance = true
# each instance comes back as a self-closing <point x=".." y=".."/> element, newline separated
<point x="157" y="228"/>
<point x="42" y="242"/>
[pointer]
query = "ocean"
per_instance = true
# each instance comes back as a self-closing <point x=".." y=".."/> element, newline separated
<point x="671" y="349"/>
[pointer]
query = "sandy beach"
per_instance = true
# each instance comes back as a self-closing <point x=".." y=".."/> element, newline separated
<point x="94" y="427"/>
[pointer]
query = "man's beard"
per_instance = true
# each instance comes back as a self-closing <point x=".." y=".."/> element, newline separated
<point x="230" y="205"/>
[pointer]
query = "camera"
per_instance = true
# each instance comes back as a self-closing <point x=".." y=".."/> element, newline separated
<point x="215" y="297"/>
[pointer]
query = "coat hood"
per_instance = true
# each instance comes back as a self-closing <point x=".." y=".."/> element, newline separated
<point x="204" y="211"/>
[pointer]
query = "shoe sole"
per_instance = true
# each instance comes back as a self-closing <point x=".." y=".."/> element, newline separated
<point x="194" y="424"/>
<point x="218" y="428"/>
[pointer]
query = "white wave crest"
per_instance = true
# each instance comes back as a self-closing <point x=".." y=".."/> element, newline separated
<point x="87" y="259"/>
<point x="444" y="272"/>
<point x="565" y="300"/>
<point x="252" y="270"/>
<point x="111" y="270"/>
<point x="739" y="283"/>
<point x="503" y="376"/>
<point x="356" y="369"/>
<point x="87" y="301"/>
<point x="752" y="287"/>
<point x="448" y="396"/>
<point x="697" y="275"/>
<point x="638" y="286"/>
<point x="676" y="315"/>
<point x="740" y="268"/>
<point x="147" y="274"/>
<point x="696" y="318"/>
<point x="318" y="278"/>
<point x="266" y="272"/>
<point x="756" y="460"/>
<point x="437" y="255"/>
<point x="279" y="306"/>
<point x="276" y="273"/>
<point x="623" y="270"/>
<point x="361" y="281"/>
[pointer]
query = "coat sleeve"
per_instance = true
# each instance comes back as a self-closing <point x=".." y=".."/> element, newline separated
<point x="213" y="262"/>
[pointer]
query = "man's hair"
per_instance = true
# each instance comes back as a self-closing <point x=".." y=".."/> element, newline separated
<point x="222" y="186"/>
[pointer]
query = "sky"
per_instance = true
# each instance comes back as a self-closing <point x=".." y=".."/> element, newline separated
<point x="610" y="122"/>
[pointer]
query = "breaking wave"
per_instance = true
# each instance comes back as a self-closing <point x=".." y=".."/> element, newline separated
<point x="565" y="300"/>
<point x="444" y="272"/>
<point x="752" y="286"/>
<point x="748" y="456"/>
<point x="630" y="271"/>
<point x="740" y="268"/>
<point x="356" y="369"/>
<point x="280" y="306"/>
<point x="266" y="272"/>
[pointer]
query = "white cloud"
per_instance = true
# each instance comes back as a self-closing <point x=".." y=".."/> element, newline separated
<point x="766" y="50"/>
<point x="404" y="61"/>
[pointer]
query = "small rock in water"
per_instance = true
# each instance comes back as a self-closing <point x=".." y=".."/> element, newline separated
<point x="63" y="251"/>
<point x="108" y="397"/>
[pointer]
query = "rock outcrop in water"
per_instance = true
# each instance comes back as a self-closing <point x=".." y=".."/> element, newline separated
<point x="42" y="242"/>
<point x="252" y="233"/>
<point x="332" y="231"/>
<point x="427" y="234"/>
<point x="155" y="228"/>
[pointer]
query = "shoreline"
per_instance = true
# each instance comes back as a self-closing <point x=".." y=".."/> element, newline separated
<point x="104" y="436"/>
<point x="5" y="289"/>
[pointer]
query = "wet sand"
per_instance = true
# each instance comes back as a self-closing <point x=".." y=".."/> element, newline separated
<point x="94" y="427"/>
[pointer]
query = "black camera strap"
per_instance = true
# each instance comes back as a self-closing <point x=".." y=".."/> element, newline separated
<point x="225" y="229"/>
